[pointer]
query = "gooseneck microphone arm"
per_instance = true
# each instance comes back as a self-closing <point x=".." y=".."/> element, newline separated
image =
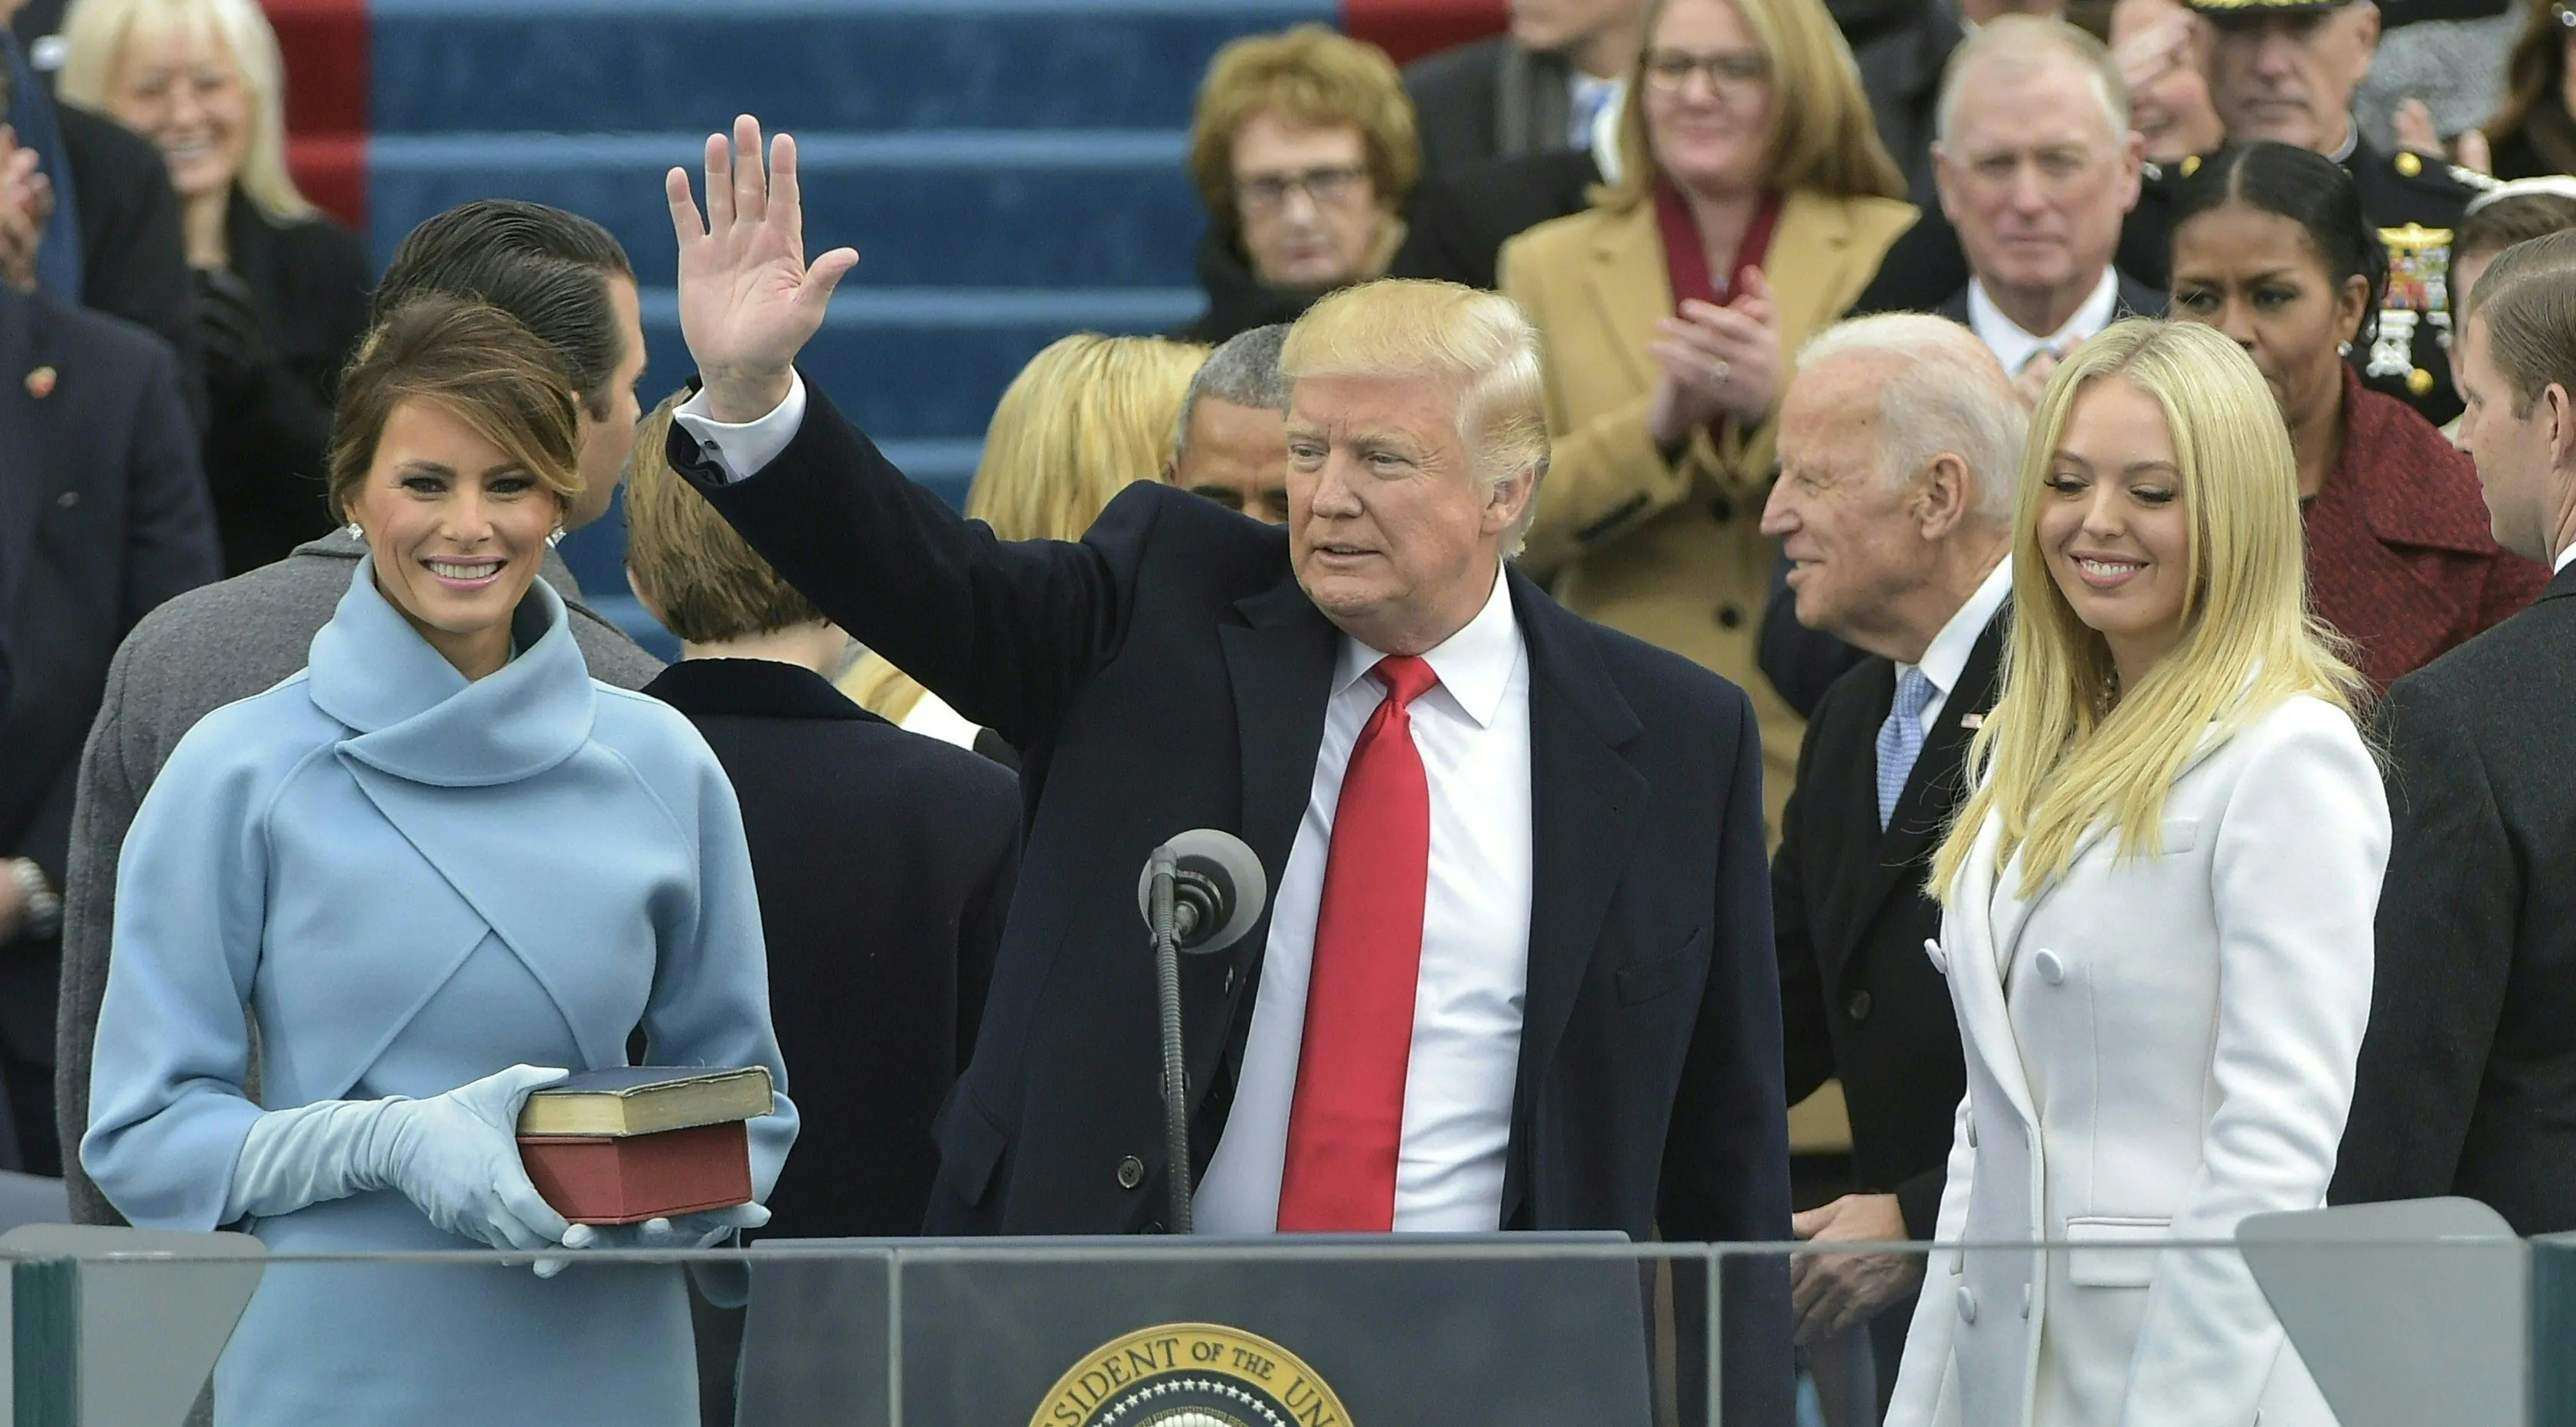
<point x="1200" y="892"/>
<point x="1163" y="873"/>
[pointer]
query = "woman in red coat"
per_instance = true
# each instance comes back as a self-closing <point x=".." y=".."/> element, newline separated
<point x="2269" y="247"/>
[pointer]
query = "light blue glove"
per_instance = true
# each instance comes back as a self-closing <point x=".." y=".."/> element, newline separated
<point x="455" y="1156"/>
<point x="687" y="1231"/>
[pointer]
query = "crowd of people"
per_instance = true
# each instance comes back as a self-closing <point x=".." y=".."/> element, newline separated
<point x="1714" y="549"/>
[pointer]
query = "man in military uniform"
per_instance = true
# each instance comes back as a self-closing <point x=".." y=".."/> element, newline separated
<point x="2286" y="70"/>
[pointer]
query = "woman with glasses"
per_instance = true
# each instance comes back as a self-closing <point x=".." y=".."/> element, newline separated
<point x="281" y="291"/>
<point x="2156" y="915"/>
<point x="1303" y="149"/>
<point x="2535" y="132"/>
<point x="1754" y="203"/>
<point x="2269" y="247"/>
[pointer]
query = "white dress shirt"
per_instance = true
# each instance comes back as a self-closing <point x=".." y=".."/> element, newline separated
<point x="740" y="449"/>
<point x="1946" y="657"/>
<point x="2014" y="347"/>
<point x="1473" y="733"/>
<point x="2564" y="557"/>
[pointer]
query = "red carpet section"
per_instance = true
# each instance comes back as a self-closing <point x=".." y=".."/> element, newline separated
<point x="1410" y="29"/>
<point x="325" y="43"/>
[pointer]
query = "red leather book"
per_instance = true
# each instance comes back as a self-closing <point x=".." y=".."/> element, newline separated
<point x="627" y="1179"/>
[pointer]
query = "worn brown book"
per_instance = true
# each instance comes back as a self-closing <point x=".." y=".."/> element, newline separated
<point x="644" y="1099"/>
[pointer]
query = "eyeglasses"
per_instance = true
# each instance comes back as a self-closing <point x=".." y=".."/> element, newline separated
<point x="1324" y="187"/>
<point x="1731" y="73"/>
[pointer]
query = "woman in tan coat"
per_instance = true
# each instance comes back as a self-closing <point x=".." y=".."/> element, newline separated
<point x="1753" y="204"/>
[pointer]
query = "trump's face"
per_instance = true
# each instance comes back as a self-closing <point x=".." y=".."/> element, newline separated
<point x="1394" y="536"/>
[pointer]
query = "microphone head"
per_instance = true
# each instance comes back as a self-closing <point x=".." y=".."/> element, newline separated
<point x="1226" y="866"/>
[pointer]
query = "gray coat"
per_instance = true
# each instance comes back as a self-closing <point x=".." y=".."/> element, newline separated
<point x="212" y="646"/>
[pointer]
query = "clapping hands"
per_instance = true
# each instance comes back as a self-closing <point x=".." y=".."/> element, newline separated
<point x="1717" y="362"/>
<point x="749" y="301"/>
<point x="26" y="202"/>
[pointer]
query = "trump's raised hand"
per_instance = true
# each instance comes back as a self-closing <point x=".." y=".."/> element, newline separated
<point x="749" y="302"/>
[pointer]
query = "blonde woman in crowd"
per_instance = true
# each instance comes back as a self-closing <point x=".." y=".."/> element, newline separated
<point x="1754" y="204"/>
<point x="1086" y="417"/>
<point x="281" y="291"/>
<point x="2156" y="916"/>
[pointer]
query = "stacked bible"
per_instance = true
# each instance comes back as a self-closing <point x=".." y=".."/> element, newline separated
<point x="642" y="1142"/>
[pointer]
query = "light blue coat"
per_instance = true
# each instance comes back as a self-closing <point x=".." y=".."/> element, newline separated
<point x="413" y="881"/>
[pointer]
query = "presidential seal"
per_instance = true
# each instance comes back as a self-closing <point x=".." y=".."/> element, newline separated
<point x="1191" y="1375"/>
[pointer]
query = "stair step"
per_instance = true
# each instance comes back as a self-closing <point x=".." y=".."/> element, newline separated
<point x="1098" y="208"/>
<point x="928" y="364"/>
<point x="575" y="65"/>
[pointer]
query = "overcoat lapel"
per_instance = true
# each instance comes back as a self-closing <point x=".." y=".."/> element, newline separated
<point x="1629" y="290"/>
<point x="1980" y="914"/>
<point x="1587" y="804"/>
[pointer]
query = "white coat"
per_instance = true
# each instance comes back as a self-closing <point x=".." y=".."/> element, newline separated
<point x="2157" y="1046"/>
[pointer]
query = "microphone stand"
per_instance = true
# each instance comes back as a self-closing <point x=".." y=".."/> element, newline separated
<point x="1167" y="979"/>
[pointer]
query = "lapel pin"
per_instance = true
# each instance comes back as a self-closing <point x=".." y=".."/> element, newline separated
<point x="40" y="383"/>
<point x="1973" y="720"/>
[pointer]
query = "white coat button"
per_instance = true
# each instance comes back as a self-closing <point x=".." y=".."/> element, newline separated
<point x="2050" y="966"/>
<point x="1967" y="1306"/>
<point x="1932" y="949"/>
<point x="1972" y="1132"/>
<point x="2025" y="1300"/>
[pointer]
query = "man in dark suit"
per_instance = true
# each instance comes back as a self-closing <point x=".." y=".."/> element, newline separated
<point x="1461" y="219"/>
<point x="107" y="518"/>
<point x="1899" y="442"/>
<point x="1535" y="89"/>
<point x="2467" y="1079"/>
<point x="1516" y="858"/>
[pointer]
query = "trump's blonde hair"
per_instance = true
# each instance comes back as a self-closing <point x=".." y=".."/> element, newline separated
<point x="95" y="34"/>
<point x="2066" y="750"/>
<point x="1480" y="341"/>
<point x="1086" y="418"/>
<point x="1820" y="135"/>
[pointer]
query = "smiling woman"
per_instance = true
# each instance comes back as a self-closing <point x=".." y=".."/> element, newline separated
<point x="455" y="458"/>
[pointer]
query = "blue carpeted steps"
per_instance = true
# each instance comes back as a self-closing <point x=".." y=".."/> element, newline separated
<point x="1010" y="171"/>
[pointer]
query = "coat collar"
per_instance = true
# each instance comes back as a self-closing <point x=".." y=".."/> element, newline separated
<point x="416" y="718"/>
<point x="752" y="688"/>
<point x="2392" y="467"/>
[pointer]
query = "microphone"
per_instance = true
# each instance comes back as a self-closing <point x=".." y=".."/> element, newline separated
<point x="1218" y="889"/>
<point x="1200" y="892"/>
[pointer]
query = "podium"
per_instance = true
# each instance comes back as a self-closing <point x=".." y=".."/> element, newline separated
<point x="1200" y="1332"/>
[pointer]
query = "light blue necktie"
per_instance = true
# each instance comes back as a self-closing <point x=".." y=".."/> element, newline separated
<point x="1900" y="741"/>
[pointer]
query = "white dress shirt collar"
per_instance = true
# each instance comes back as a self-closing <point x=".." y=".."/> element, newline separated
<point x="2565" y="558"/>
<point x="2014" y="347"/>
<point x="1474" y="665"/>
<point x="1946" y="657"/>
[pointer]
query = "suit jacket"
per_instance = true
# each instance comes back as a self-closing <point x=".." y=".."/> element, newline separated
<point x="1858" y="999"/>
<point x="107" y="519"/>
<point x="207" y="648"/>
<point x="1901" y="72"/>
<point x="2158" y="1043"/>
<point x="1927" y="267"/>
<point x="1460" y="220"/>
<point x="2468" y="1076"/>
<point x="884" y="861"/>
<point x="1167" y="672"/>
<point x="265" y="453"/>
<point x="1485" y="100"/>
<point x="134" y="260"/>
<point x="1672" y="552"/>
<point x="2401" y="557"/>
<point x="2136" y="299"/>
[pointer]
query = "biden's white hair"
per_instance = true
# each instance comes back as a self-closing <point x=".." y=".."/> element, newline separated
<point x="1943" y="393"/>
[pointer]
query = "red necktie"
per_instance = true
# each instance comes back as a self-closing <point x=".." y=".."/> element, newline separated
<point x="1346" y="1122"/>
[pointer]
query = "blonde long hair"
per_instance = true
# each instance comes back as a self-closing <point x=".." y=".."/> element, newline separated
<point x="96" y="32"/>
<point x="2057" y="757"/>
<point x="1087" y="417"/>
<point x="1820" y="135"/>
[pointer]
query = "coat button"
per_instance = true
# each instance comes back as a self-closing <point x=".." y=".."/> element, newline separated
<point x="67" y="499"/>
<point x="2050" y="966"/>
<point x="1940" y="962"/>
<point x="1967" y="1307"/>
<point x="1859" y="1006"/>
<point x="1721" y="509"/>
<point x="1729" y="616"/>
<point x="1131" y="1172"/>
